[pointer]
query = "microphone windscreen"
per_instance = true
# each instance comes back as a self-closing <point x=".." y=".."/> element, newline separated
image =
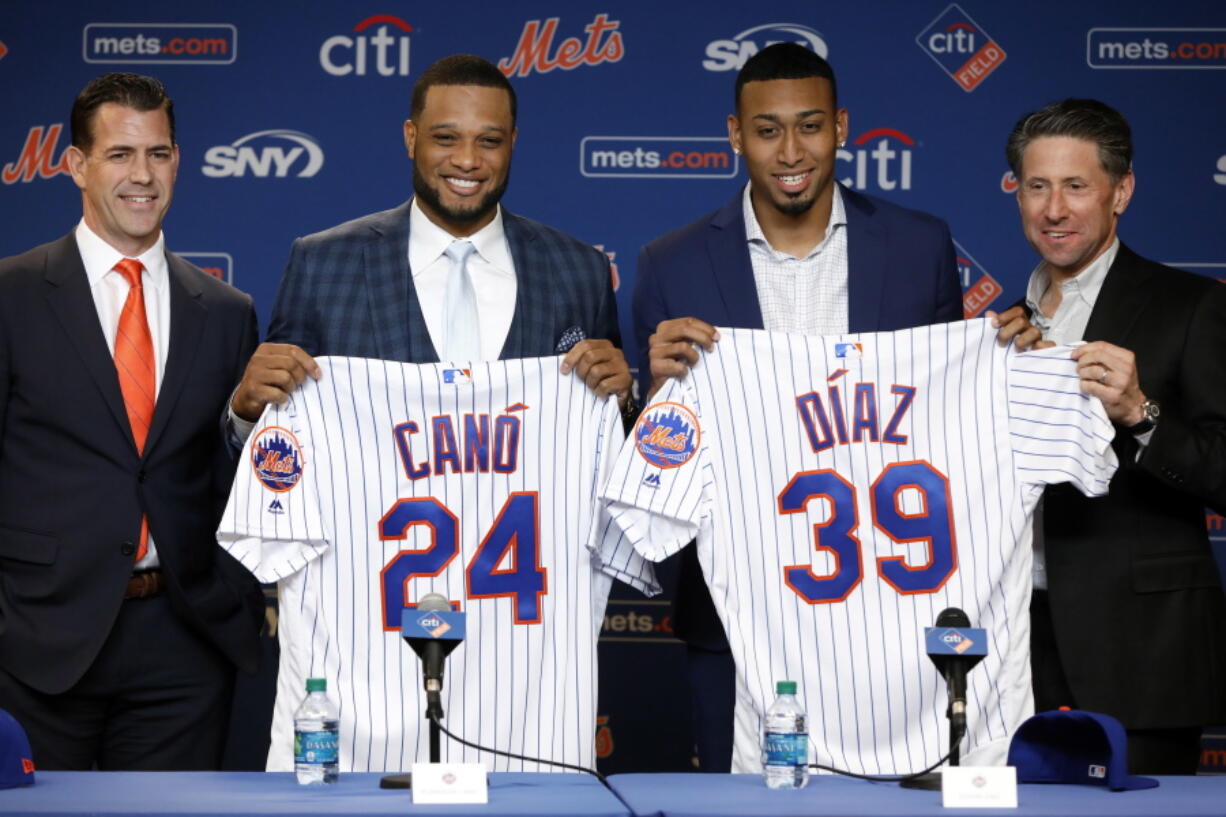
<point x="949" y="617"/>
<point x="433" y="602"/>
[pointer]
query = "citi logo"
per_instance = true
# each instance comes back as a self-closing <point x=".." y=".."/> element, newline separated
<point x="37" y="158"/>
<point x="730" y="55"/>
<point x="385" y="49"/>
<point x="880" y="158"/>
<point x="535" y="50"/>
<point x="265" y="153"/>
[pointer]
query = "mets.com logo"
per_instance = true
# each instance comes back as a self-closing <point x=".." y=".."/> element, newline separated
<point x="1165" y="48"/>
<point x="159" y="43"/>
<point x="731" y="54"/>
<point x="276" y="459"/>
<point x="667" y="435"/>
<point x="651" y="157"/>
<point x="961" y="47"/>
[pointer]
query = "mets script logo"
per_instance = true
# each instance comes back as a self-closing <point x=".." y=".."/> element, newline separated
<point x="667" y="435"/>
<point x="277" y="459"/>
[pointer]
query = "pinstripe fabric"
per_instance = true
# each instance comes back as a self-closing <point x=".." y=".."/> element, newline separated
<point x="781" y="538"/>
<point x="528" y="688"/>
<point x="347" y="291"/>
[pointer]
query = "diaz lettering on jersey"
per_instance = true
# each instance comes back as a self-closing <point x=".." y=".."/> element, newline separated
<point x="667" y="435"/>
<point x="830" y="419"/>
<point x="36" y="155"/>
<point x="276" y="459"/>
<point x="890" y="153"/>
<point x="380" y="50"/>
<point x="268" y="156"/>
<point x="535" y="51"/>
<point x="730" y="55"/>
<point x="482" y="442"/>
<point x="961" y="47"/>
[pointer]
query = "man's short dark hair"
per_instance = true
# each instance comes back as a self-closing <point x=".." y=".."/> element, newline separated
<point x="1086" y="119"/>
<point x="134" y="91"/>
<point x="460" y="69"/>
<point x="784" y="61"/>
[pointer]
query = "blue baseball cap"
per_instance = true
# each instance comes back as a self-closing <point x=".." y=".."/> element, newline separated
<point x="1072" y="746"/>
<point x="16" y="759"/>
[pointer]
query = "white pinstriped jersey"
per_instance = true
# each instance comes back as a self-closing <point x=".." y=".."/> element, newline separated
<point x="383" y="482"/>
<point x="843" y="491"/>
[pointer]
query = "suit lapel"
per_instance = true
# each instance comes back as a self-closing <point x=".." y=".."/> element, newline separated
<point x="868" y="259"/>
<point x="73" y="305"/>
<point x="1125" y="294"/>
<point x="534" y="303"/>
<point x="399" y="327"/>
<point x="728" y="254"/>
<point x="187" y="319"/>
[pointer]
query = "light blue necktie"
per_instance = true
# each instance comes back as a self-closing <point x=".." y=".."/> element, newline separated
<point x="461" y="332"/>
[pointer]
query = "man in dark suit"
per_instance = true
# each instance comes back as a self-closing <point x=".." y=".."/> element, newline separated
<point x="121" y="620"/>
<point x="1128" y="616"/>
<point x="794" y="251"/>
<point x="382" y="285"/>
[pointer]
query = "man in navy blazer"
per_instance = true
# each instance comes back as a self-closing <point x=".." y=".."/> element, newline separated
<point x="110" y="658"/>
<point x="794" y="251"/>
<point x="375" y="286"/>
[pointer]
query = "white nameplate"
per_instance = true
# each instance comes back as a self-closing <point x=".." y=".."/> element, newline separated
<point x="973" y="787"/>
<point x="449" y="783"/>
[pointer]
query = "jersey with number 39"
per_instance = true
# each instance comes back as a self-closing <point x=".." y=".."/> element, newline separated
<point x="843" y="491"/>
<point x="383" y="482"/>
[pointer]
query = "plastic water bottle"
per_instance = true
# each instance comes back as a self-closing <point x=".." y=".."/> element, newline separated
<point x="316" y="736"/>
<point x="785" y="741"/>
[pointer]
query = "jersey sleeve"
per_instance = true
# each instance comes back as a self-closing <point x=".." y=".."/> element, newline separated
<point x="272" y="522"/>
<point x="612" y="551"/>
<point x="1058" y="434"/>
<point x="657" y="489"/>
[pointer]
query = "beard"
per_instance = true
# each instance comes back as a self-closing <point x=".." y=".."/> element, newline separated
<point x="794" y="206"/>
<point x="468" y="215"/>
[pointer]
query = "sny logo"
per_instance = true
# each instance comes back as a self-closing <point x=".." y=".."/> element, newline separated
<point x="36" y="156"/>
<point x="264" y="160"/>
<point x="875" y="145"/>
<point x="730" y="55"/>
<point x="979" y="288"/>
<point x="536" y="41"/>
<point x="961" y="47"/>
<point x="341" y="55"/>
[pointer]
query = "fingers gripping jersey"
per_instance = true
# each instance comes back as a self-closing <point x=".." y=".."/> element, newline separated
<point x="383" y="482"/>
<point x="845" y="490"/>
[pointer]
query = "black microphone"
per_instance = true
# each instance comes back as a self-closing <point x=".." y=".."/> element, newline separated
<point x="954" y="664"/>
<point x="432" y="652"/>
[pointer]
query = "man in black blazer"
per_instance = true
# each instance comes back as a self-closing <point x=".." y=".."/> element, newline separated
<point x="121" y="620"/>
<point x="1128" y="616"/>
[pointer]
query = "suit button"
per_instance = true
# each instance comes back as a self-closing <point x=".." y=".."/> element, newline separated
<point x="127" y="548"/>
<point x="140" y="475"/>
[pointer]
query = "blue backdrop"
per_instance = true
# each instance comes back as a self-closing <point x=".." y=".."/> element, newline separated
<point x="289" y="121"/>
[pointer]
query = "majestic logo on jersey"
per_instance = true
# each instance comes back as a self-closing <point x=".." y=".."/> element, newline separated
<point x="277" y="459"/>
<point x="458" y="377"/>
<point x="667" y="435"/>
<point x="652" y="480"/>
<point x="275" y="506"/>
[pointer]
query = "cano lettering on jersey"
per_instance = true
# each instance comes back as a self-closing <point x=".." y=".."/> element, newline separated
<point x="844" y="491"/>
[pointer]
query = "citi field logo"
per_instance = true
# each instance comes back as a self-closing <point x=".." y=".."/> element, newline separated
<point x="276" y="153"/>
<point x="381" y="44"/>
<point x="160" y="43"/>
<point x="961" y="47"/>
<point x="979" y="288"/>
<point x="879" y="159"/>
<point x="651" y="157"/>
<point x="730" y="55"/>
<point x="38" y="158"/>
<point x="218" y="264"/>
<point x="536" y="52"/>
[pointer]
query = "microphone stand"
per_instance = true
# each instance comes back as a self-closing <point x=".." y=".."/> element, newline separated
<point x="931" y="781"/>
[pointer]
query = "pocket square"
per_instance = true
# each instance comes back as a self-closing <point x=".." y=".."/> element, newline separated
<point x="568" y="339"/>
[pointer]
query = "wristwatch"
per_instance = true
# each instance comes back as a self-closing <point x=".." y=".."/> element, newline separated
<point x="1149" y="418"/>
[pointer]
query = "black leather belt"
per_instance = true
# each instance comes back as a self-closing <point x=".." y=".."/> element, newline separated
<point x="143" y="585"/>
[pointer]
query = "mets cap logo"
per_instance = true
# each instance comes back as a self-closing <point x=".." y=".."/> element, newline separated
<point x="276" y="458"/>
<point x="667" y="435"/>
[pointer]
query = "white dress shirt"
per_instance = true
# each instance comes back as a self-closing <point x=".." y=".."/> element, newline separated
<point x="110" y="289"/>
<point x="491" y="269"/>
<point x="807" y="295"/>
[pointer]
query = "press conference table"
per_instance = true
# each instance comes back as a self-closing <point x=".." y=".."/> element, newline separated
<point x="255" y="794"/>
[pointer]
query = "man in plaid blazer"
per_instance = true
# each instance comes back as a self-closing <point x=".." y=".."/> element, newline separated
<point x="374" y="287"/>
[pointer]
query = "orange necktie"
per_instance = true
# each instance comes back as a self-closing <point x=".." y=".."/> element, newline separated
<point x="135" y="364"/>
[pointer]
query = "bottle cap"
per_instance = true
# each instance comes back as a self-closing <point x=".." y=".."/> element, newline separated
<point x="321" y="685"/>
<point x="785" y="688"/>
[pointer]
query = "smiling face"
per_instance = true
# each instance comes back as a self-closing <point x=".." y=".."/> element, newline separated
<point x="460" y="145"/>
<point x="788" y="131"/>
<point x="128" y="176"/>
<point x="1068" y="202"/>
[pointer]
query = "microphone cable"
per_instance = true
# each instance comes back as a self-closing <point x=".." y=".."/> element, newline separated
<point x="435" y="720"/>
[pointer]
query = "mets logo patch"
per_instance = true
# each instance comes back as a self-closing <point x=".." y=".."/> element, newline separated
<point x="667" y="435"/>
<point x="277" y="459"/>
